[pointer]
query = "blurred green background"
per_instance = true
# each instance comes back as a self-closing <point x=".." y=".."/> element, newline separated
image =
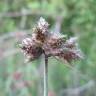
<point x="70" y="17"/>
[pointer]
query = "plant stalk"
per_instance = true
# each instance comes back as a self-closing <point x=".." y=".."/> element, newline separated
<point x="46" y="76"/>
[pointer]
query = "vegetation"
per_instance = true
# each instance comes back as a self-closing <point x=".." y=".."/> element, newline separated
<point x="70" y="17"/>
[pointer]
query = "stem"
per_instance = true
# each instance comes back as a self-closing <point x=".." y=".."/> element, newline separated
<point x="46" y="76"/>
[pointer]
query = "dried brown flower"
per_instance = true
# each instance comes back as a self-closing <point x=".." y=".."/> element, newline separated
<point x="51" y="44"/>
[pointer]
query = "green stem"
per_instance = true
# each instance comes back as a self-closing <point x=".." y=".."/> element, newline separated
<point x="46" y="76"/>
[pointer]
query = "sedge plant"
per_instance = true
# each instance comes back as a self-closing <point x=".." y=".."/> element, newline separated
<point x="49" y="44"/>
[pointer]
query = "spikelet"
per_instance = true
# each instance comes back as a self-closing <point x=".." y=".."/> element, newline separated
<point x="51" y="44"/>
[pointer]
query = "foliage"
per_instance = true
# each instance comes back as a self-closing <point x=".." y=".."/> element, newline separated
<point x="75" y="18"/>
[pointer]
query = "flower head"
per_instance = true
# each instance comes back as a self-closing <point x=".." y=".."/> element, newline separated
<point x="51" y="44"/>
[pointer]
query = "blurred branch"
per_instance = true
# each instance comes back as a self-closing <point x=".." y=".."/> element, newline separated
<point x="79" y="90"/>
<point x="28" y="13"/>
<point x="16" y="14"/>
<point x="58" y="23"/>
<point x="8" y="53"/>
<point x="23" y="20"/>
<point x="14" y="34"/>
